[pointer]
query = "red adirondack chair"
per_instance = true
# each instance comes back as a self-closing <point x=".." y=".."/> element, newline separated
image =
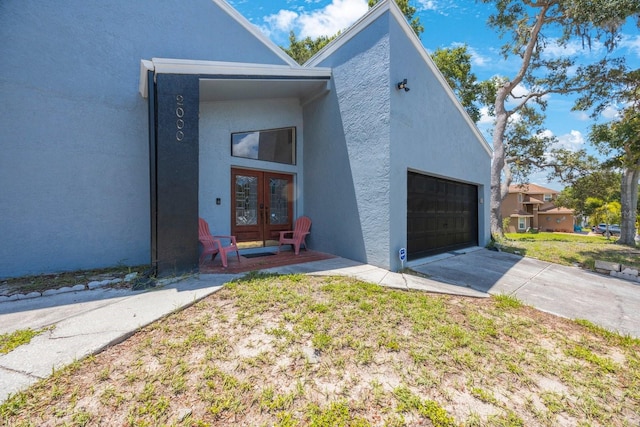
<point x="298" y="234"/>
<point x="213" y="244"/>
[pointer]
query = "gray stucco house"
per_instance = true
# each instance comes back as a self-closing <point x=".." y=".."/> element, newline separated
<point x="124" y="121"/>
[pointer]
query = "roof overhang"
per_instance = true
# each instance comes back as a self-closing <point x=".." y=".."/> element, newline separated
<point x="224" y="81"/>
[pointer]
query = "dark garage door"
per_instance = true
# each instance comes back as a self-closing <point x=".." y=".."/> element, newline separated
<point x="442" y="215"/>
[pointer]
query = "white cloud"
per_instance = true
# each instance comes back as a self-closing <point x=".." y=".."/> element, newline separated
<point x="335" y="17"/>
<point x="553" y="49"/>
<point x="427" y="5"/>
<point x="281" y="21"/>
<point x="581" y="115"/>
<point x="572" y="141"/>
<point x="327" y="21"/>
<point x="610" y="112"/>
<point x="632" y="43"/>
<point x="485" y="118"/>
<point x="520" y="91"/>
<point x="247" y="146"/>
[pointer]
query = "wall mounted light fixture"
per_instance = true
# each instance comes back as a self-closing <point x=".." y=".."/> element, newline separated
<point x="403" y="85"/>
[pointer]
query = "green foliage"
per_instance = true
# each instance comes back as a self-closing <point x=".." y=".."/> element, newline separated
<point x="619" y="139"/>
<point x="455" y="65"/>
<point x="518" y="148"/>
<point x="591" y="191"/>
<point x="302" y="50"/>
<point x="608" y="213"/>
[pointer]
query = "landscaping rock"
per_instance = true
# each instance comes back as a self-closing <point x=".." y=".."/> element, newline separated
<point x="131" y="276"/>
<point x="100" y="284"/>
<point x="606" y="266"/>
<point x="29" y="295"/>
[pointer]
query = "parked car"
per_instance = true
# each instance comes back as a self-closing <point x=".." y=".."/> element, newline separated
<point x="614" y="229"/>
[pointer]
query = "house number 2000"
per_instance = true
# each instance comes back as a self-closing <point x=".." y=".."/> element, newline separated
<point x="179" y="118"/>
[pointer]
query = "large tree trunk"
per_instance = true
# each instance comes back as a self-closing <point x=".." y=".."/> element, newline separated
<point x="629" y="202"/>
<point x="498" y="190"/>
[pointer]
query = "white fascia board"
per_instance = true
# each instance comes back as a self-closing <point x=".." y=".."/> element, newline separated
<point x="401" y="19"/>
<point x="143" y="86"/>
<point x="366" y="20"/>
<point x="186" y="66"/>
<point x="255" y="32"/>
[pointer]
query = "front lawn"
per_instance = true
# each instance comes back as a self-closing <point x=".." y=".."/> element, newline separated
<point x="570" y="249"/>
<point x="330" y="351"/>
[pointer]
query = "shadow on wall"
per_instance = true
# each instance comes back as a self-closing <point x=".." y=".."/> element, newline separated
<point x="330" y="197"/>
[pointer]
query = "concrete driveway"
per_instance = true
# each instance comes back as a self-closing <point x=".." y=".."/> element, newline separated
<point x="565" y="291"/>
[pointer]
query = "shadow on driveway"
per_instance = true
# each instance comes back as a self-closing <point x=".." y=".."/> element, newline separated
<point x="565" y="291"/>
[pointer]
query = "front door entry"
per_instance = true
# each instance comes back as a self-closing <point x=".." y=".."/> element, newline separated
<point x="261" y="206"/>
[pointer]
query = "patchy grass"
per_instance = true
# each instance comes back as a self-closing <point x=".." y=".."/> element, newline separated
<point x="9" y="342"/>
<point x="570" y="249"/>
<point x="326" y="351"/>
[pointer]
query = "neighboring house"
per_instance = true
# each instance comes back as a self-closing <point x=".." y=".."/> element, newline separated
<point x="124" y="121"/>
<point x="531" y="206"/>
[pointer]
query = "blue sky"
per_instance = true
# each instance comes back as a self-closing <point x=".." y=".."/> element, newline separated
<point x="447" y="23"/>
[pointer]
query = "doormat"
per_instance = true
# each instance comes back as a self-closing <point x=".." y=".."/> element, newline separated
<point x="258" y="255"/>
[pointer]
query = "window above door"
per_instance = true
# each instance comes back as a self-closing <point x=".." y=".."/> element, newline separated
<point x="271" y="145"/>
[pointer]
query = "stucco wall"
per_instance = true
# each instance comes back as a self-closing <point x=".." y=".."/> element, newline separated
<point x="555" y="222"/>
<point x="362" y="139"/>
<point x="510" y="204"/>
<point x="74" y="174"/>
<point x="428" y="135"/>
<point x="217" y="121"/>
<point x="347" y="152"/>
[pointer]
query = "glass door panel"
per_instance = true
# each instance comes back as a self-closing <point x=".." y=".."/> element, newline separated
<point x="261" y="206"/>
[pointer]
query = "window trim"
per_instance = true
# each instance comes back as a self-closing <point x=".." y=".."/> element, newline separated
<point x="293" y="134"/>
<point x="522" y="223"/>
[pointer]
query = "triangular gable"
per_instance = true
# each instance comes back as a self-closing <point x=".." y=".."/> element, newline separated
<point x="244" y="22"/>
<point x="371" y="16"/>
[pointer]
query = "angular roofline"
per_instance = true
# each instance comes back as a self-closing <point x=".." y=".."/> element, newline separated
<point x="367" y="19"/>
<point x="255" y="32"/>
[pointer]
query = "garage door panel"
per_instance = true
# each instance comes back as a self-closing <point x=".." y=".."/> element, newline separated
<point x="442" y="215"/>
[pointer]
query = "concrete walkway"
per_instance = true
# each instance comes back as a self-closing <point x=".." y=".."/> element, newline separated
<point x="84" y="323"/>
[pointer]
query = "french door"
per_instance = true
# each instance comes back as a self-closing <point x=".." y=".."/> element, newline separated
<point x="261" y="206"/>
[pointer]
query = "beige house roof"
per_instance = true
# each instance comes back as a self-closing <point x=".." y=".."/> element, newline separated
<point x="532" y="201"/>
<point x="530" y="189"/>
<point x="557" y="211"/>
